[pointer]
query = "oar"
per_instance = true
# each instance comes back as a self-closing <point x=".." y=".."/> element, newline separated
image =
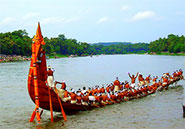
<point x="108" y="103"/>
<point x="50" y="104"/>
<point x="62" y="110"/>
<point x="113" y="101"/>
<point x="103" y="104"/>
<point x="41" y="112"/>
<point x="32" y="116"/>
<point x="35" y="113"/>
<point x="95" y="105"/>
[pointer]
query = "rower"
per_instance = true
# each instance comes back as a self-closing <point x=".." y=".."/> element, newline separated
<point x="181" y="74"/>
<point x="79" y="98"/>
<point x="141" y="80"/>
<point x="91" y="98"/>
<point x="133" y="79"/>
<point x="89" y="90"/>
<point x="96" y="90"/>
<point x="165" y="81"/>
<point x="84" y="90"/>
<point x="127" y="86"/>
<point x="63" y="84"/>
<point x="155" y="79"/>
<point x="121" y="86"/>
<point x="171" y="79"/>
<point x="104" y="99"/>
<point x="97" y="98"/>
<point x="108" y="88"/>
<point x="112" y="96"/>
<point x="111" y="87"/>
<point x="50" y="78"/>
<point x="66" y="96"/>
<point x="102" y="90"/>
<point x="85" y="99"/>
<point x="159" y="84"/>
<point x="116" y="84"/>
<point x="73" y="97"/>
<point x="175" y="75"/>
<point x="147" y="80"/>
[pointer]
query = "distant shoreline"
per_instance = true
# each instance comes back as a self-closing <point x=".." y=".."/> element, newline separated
<point x="13" y="58"/>
<point x="16" y="58"/>
<point x="168" y="54"/>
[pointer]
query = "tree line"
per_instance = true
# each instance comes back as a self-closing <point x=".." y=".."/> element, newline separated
<point x="19" y="43"/>
<point x="171" y="44"/>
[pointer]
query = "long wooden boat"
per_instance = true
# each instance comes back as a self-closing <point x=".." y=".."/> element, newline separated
<point x="42" y="94"/>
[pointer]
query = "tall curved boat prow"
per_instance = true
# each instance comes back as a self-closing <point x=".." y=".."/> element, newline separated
<point x="41" y="74"/>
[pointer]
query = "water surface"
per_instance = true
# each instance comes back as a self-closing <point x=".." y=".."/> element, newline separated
<point x="162" y="110"/>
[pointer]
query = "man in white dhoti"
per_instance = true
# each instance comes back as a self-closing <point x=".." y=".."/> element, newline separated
<point x="50" y="79"/>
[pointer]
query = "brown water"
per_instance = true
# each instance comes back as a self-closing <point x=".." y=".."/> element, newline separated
<point x="161" y="110"/>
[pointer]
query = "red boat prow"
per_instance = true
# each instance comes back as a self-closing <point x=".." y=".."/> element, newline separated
<point x="43" y="94"/>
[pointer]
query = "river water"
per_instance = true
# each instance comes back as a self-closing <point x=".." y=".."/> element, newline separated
<point x="161" y="110"/>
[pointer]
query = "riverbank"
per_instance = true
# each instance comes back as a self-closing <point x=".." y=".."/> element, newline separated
<point x="169" y="54"/>
<point x="12" y="58"/>
<point x="57" y="56"/>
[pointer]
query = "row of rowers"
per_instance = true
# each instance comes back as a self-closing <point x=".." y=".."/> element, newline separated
<point x="115" y="92"/>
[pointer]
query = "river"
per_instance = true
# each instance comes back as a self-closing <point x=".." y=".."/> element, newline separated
<point x="160" y="110"/>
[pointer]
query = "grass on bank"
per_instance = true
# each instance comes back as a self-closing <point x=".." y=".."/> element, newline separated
<point x="169" y="54"/>
<point x="57" y="56"/>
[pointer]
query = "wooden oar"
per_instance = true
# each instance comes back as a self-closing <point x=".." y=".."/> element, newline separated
<point x="95" y="105"/>
<point x="41" y="112"/>
<point x="108" y="103"/>
<point x="33" y="116"/>
<point x="103" y="104"/>
<point x="183" y="106"/>
<point x="62" y="110"/>
<point x="50" y="104"/>
<point x="113" y="101"/>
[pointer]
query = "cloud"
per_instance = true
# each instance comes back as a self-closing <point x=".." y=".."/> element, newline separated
<point x="7" y="20"/>
<point x="53" y="20"/>
<point x="30" y="16"/>
<point x="103" y="19"/>
<point x="143" y="15"/>
<point x="124" y="8"/>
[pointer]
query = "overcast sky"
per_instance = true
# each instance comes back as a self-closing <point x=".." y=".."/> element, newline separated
<point x="96" y="20"/>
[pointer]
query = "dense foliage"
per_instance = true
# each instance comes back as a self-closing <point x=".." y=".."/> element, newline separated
<point x="19" y="43"/>
<point x="171" y="44"/>
<point x="119" y="48"/>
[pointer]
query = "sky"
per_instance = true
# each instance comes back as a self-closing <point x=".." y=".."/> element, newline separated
<point x="95" y="21"/>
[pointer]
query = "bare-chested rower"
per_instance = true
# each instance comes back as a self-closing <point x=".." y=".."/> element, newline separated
<point x="133" y="79"/>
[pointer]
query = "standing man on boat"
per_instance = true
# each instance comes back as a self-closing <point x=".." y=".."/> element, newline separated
<point x="116" y="84"/>
<point x="50" y="78"/>
<point x="133" y="79"/>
